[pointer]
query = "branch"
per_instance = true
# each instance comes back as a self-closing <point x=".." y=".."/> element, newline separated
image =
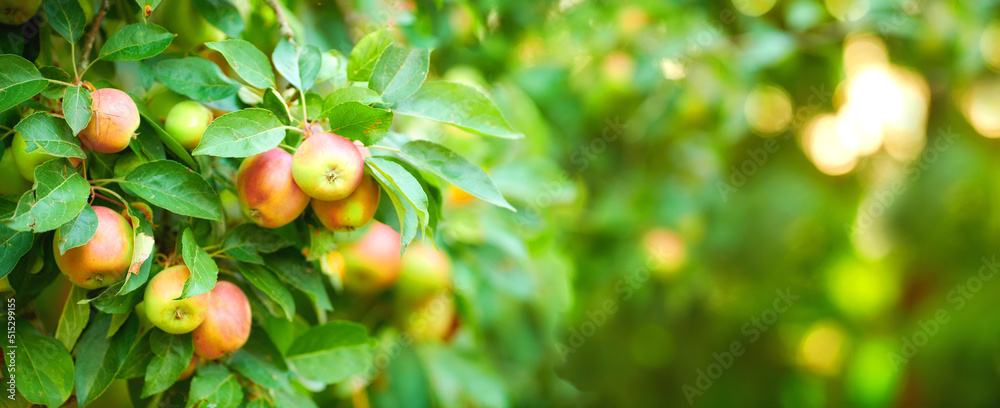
<point x="279" y="13"/>
<point x="89" y="42"/>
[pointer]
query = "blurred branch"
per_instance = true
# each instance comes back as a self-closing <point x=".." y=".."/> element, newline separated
<point x="88" y="43"/>
<point x="279" y="13"/>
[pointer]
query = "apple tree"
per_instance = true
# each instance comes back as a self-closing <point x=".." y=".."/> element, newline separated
<point x="225" y="212"/>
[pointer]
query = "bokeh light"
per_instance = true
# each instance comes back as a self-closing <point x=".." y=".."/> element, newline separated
<point x="753" y="8"/>
<point x="822" y="348"/>
<point x="768" y="110"/>
<point x="848" y="10"/>
<point x="980" y="106"/>
<point x="861" y="289"/>
<point x="989" y="45"/>
<point x="827" y="149"/>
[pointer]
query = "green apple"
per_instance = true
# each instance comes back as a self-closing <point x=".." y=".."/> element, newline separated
<point x="172" y="315"/>
<point x="11" y="181"/>
<point x="187" y="121"/>
<point x="328" y="167"/>
<point x="16" y="12"/>
<point x="424" y="271"/>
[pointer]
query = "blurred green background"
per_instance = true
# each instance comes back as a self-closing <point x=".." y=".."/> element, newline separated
<point x="686" y="160"/>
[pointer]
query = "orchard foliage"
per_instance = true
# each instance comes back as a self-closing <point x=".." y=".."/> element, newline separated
<point x="162" y="155"/>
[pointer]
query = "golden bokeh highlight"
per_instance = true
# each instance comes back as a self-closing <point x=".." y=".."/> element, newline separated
<point x="823" y="144"/>
<point x="665" y="250"/>
<point x="980" y="105"/>
<point x="821" y="350"/>
<point x="848" y="10"/>
<point x="768" y="110"/>
<point x="753" y="8"/>
<point x="864" y="50"/>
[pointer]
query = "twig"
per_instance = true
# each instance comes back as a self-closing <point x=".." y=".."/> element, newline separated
<point x="282" y="20"/>
<point x="89" y="43"/>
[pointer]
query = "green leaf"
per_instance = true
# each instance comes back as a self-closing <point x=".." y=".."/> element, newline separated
<point x="99" y="365"/>
<point x="241" y="134"/>
<point x="460" y="105"/>
<point x="44" y="367"/>
<point x="173" y="187"/>
<point x="59" y="195"/>
<point x="404" y="189"/>
<point x="73" y="319"/>
<point x="299" y="65"/>
<point x="53" y="90"/>
<point x="216" y="386"/>
<point x="273" y="102"/>
<point x="136" y="42"/>
<point x="113" y="301"/>
<point x="433" y="192"/>
<point x="143" y="233"/>
<point x="321" y="242"/>
<point x="223" y="15"/>
<point x="148" y="125"/>
<point x="399" y="72"/>
<point x="171" y="355"/>
<point x="356" y="121"/>
<point x="290" y="267"/>
<point x="204" y="271"/>
<point x="264" y="280"/>
<point x="331" y="352"/>
<point x="245" y="241"/>
<point x="76" y="108"/>
<point x="260" y="361"/>
<point x="137" y="359"/>
<point x="66" y="17"/>
<point x="456" y="170"/>
<point x="196" y="78"/>
<point x="13" y="245"/>
<point x="366" y="53"/>
<point x="79" y="230"/>
<point x="247" y="60"/>
<point x="117" y="320"/>
<point x="358" y="94"/>
<point x="51" y="134"/>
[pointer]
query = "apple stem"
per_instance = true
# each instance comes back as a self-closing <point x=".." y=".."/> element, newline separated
<point x="88" y="43"/>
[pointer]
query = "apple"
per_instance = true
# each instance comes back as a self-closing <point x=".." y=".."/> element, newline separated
<point x="189" y="370"/>
<point x="104" y="259"/>
<point x="267" y="191"/>
<point x="351" y="212"/>
<point x="181" y="17"/>
<point x="372" y="263"/>
<point x="433" y="318"/>
<point x="162" y="101"/>
<point x="164" y="310"/>
<point x="187" y="121"/>
<point x="424" y="271"/>
<point x="227" y="327"/>
<point x="231" y="207"/>
<point x="26" y="162"/>
<point x="17" y="12"/>
<point x="328" y="167"/>
<point x="113" y="122"/>
<point x="11" y="181"/>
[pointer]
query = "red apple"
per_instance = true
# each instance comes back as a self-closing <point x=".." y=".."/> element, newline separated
<point x="267" y="191"/>
<point x="104" y="259"/>
<point x="328" y="167"/>
<point x="227" y="326"/>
